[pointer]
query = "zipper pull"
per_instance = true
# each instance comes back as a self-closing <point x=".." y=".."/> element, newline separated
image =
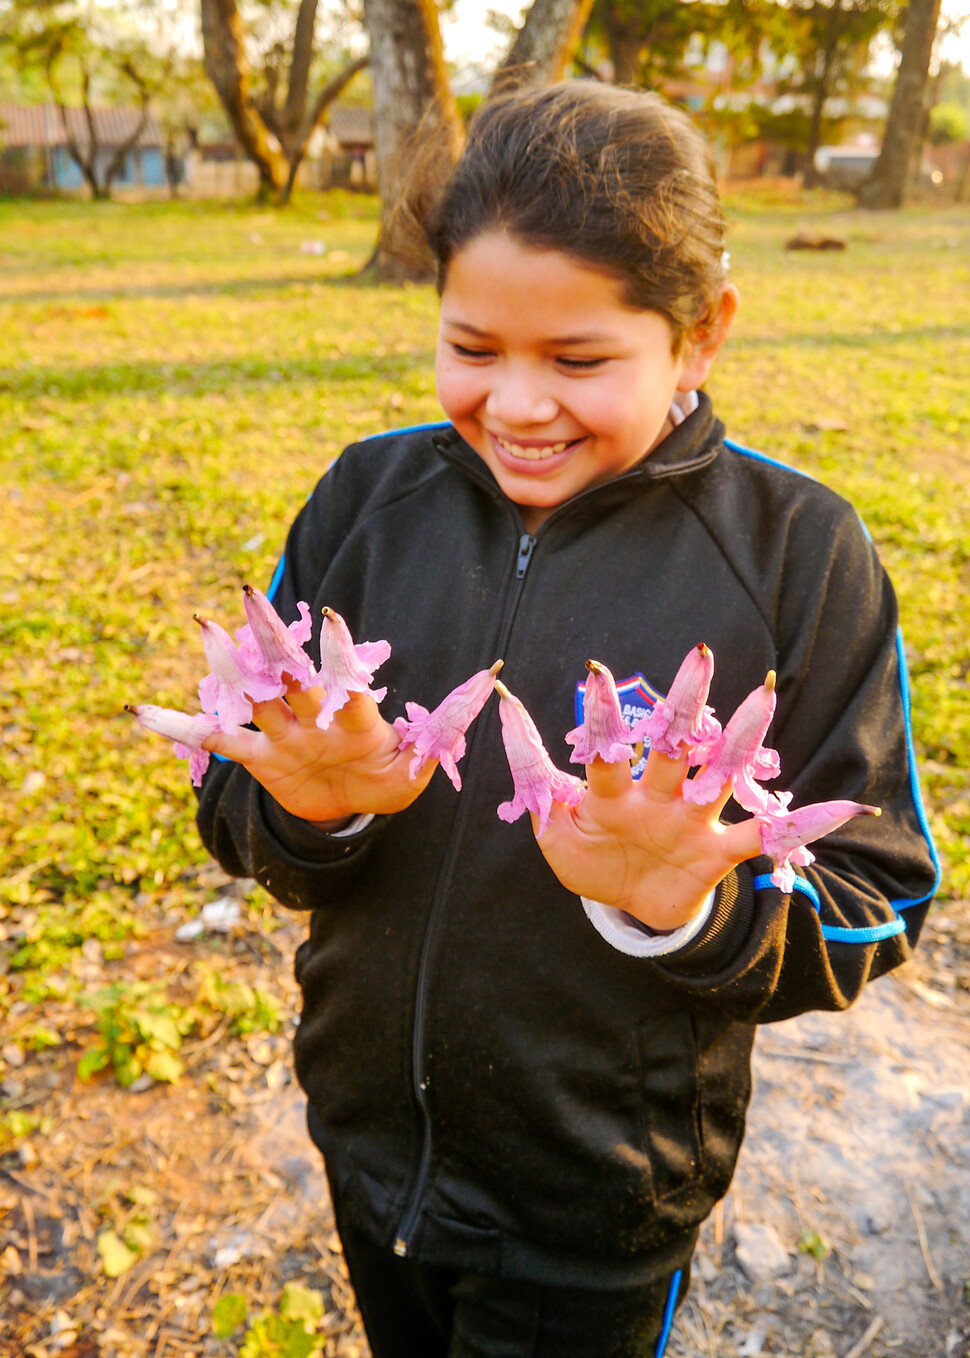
<point x="526" y="544"/>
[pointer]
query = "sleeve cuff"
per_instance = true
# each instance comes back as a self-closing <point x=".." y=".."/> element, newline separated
<point x="307" y="844"/>
<point x="629" y="936"/>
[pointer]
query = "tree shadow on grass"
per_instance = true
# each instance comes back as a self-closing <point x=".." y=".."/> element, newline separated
<point x="228" y="287"/>
<point x="202" y="379"/>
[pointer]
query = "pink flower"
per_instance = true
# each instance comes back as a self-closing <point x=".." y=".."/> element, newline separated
<point x="227" y="691"/>
<point x="441" y="734"/>
<point x="270" y="648"/>
<point x="604" y="734"/>
<point x="346" y="668"/>
<point x="784" y="834"/>
<point x="682" y="721"/>
<point x="187" y="732"/>
<point x="538" y="783"/>
<point x="737" y="755"/>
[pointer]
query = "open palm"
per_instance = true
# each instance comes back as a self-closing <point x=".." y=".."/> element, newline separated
<point x="640" y="847"/>
<point x="354" y="766"/>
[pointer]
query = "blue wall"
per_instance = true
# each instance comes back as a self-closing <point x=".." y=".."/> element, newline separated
<point x="143" y="167"/>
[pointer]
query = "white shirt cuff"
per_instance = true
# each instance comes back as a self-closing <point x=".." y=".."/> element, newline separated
<point x="623" y="933"/>
<point x="356" y="825"/>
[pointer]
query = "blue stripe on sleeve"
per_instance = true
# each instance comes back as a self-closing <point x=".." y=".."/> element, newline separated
<point x="873" y="933"/>
<point x="669" y="1309"/>
<point x="894" y="926"/>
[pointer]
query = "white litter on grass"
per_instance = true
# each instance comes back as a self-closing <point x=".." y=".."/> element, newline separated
<point x="218" y="917"/>
<point x="313" y="247"/>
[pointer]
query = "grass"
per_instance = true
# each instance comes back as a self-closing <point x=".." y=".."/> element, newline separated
<point x="175" y="377"/>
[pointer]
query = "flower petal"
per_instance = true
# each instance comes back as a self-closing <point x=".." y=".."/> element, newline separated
<point x="604" y="734"/>
<point x="737" y="756"/>
<point x="441" y="734"/>
<point x="346" y="668"/>
<point x="267" y="645"/>
<point x="683" y="720"/>
<point x="537" y="781"/>
<point x="187" y="732"/>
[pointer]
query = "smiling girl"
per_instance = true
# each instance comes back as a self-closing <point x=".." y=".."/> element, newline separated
<point x="527" y="1062"/>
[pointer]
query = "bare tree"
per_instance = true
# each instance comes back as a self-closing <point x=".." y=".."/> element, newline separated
<point x="274" y="117"/>
<point x="419" y="131"/>
<point x="544" y="45"/>
<point x="886" y="187"/>
<point x="85" y="55"/>
<point x="415" y="119"/>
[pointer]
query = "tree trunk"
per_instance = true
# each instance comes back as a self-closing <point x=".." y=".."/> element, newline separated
<point x="544" y="45"/>
<point x="228" y="69"/>
<point x="294" y="110"/>
<point x="414" y="112"/>
<point x="823" y="82"/>
<point x="331" y="91"/>
<point x="887" y="185"/>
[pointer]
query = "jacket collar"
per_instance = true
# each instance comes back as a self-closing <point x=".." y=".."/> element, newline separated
<point x="690" y="446"/>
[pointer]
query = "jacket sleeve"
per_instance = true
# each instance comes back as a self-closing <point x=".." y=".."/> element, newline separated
<point x="842" y="730"/>
<point x="245" y="830"/>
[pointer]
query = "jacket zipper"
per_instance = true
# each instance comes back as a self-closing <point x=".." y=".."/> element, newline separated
<point x="419" y="1081"/>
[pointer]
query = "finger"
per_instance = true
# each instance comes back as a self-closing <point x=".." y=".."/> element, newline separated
<point x="273" y="718"/>
<point x="241" y="747"/>
<point x="305" y="705"/>
<point x="710" y="812"/>
<point x="608" y="780"/>
<point x="663" y="775"/>
<point x="358" y="714"/>
<point x="743" y="841"/>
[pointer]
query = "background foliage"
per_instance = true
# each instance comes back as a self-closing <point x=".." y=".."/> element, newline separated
<point x="175" y="377"/>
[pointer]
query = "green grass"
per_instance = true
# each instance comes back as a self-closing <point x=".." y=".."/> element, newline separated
<point x="175" y="377"/>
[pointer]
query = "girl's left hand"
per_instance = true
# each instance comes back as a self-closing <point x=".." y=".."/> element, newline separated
<point x="638" y="846"/>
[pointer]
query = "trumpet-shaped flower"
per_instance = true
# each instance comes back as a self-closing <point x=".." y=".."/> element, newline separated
<point x="537" y="781"/>
<point x="738" y="756"/>
<point x="784" y="834"/>
<point x="441" y="734"/>
<point x="231" y="689"/>
<point x="604" y="734"/>
<point x="346" y="668"/>
<point x="268" y="647"/>
<point x="682" y="721"/>
<point x="187" y="732"/>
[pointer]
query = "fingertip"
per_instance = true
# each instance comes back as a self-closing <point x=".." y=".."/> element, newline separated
<point x="663" y="774"/>
<point x="608" y="780"/>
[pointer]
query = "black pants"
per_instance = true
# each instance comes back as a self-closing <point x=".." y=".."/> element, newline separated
<point x="413" y="1311"/>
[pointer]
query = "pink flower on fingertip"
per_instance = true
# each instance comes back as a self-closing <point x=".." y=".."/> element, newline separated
<point x="604" y="734"/>
<point x="271" y="648"/>
<point x="737" y="756"/>
<point x="231" y="689"/>
<point x="537" y="781"/>
<point x="441" y="734"/>
<point x="682" y="721"/>
<point x="187" y="732"/>
<point x="346" y="668"/>
<point x="784" y="834"/>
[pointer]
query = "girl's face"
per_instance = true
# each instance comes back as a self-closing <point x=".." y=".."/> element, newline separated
<point x="549" y="375"/>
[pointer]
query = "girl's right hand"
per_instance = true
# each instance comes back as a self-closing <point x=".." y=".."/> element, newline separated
<point x="325" y="777"/>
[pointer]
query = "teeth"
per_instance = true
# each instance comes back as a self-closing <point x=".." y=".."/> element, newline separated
<point x="532" y="454"/>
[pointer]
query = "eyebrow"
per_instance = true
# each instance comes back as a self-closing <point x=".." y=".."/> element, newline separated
<point x="556" y="340"/>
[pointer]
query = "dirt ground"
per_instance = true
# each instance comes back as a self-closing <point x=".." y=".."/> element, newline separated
<point x="846" y="1232"/>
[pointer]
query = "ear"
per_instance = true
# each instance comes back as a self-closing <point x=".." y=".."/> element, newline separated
<point x="701" y="347"/>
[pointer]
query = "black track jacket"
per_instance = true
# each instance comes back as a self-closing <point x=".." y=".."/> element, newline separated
<point x="493" y="1085"/>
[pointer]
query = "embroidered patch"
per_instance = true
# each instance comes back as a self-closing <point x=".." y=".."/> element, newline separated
<point x="637" y="698"/>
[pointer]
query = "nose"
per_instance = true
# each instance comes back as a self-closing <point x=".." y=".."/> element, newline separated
<point x="516" y="398"/>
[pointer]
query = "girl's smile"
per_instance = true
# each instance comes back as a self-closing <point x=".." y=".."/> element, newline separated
<point x="549" y="375"/>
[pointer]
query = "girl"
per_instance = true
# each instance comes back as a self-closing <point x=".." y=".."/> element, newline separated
<point x="527" y="1061"/>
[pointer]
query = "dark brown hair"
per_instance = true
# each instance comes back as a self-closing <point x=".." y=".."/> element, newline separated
<point x="614" y="177"/>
